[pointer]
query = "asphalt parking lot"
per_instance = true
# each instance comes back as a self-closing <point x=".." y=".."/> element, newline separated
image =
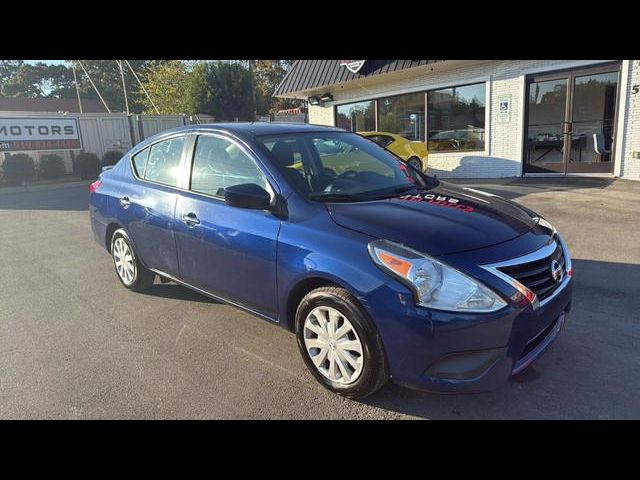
<point x="75" y="344"/>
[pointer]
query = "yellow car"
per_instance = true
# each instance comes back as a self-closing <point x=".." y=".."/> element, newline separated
<point x="413" y="152"/>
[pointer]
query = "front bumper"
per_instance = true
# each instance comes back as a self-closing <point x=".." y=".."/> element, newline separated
<point x="462" y="353"/>
<point x="537" y="345"/>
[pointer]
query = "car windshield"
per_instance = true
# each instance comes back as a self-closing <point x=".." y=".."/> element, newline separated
<point x="341" y="166"/>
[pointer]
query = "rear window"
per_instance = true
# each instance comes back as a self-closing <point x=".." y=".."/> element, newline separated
<point x="382" y="140"/>
<point x="163" y="164"/>
<point x="140" y="161"/>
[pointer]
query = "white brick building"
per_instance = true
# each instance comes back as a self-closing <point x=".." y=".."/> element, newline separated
<point x="558" y="117"/>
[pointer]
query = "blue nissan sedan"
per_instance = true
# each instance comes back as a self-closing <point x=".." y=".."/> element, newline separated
<point x="381" y="271"/>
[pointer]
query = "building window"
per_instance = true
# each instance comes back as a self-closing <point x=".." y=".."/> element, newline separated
<point x="403" y="115"/>
<point x="455" y="118"/>
<point x="357" y="117"/>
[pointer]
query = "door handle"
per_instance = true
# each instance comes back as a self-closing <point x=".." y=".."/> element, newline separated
<point x="190" y="219"/>
<point x="125" y="202"/>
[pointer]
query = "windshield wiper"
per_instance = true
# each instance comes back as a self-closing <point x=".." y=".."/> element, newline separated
<point x="363" y="196"/>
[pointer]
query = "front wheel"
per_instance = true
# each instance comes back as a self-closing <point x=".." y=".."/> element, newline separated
<point x="340" y="345"/>
<point x="130" y="271"/>
<point x="416" y="163"/>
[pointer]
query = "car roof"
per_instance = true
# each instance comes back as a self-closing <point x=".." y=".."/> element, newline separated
<point x="246" y="130"/>
<point x="250" y="129"/>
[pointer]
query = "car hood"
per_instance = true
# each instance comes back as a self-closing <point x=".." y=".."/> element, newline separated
<point x="443" y="220"/>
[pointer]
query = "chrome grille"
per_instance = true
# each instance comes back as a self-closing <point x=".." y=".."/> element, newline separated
<point x="536" y="275"/>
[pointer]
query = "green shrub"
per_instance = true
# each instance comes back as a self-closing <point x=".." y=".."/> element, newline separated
<point x="18" y="168"/>
<point x="111" y="157"/>
<point x="86" y="165"/>
<point x="51" y="166"/>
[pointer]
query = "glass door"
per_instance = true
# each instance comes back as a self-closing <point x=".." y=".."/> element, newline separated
<point x="593" y="120"/>
<point x="571" y="121"/>
<point x="546" y="125"/>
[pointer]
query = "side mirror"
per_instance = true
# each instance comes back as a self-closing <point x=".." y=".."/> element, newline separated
<point x="247" y="195"/>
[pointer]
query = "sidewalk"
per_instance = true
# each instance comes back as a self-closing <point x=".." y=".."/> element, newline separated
<point x="41" y="186"/>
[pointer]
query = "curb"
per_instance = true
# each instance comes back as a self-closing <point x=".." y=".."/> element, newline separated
<point x="40" y="188"/>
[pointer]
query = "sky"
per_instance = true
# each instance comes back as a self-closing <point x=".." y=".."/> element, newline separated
<point x="50" y="62"/>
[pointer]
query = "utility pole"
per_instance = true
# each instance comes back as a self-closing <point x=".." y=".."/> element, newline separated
<point x="75" y="81"/>
<point x="124" y="86"/>
<point x="253" y="89"/>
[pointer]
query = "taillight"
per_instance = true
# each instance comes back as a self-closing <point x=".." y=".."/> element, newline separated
<point x="94" y="186"/>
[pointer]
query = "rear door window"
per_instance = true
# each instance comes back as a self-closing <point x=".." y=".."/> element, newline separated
<point x="163" y="164"/>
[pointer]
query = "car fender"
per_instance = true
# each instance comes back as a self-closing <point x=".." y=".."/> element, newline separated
<point x="333" y="255"/>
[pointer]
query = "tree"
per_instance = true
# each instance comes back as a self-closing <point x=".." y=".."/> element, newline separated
<point x="225" y="89"/>
<point x="222" y="89"/>
<point x="19" y="79"/>
<point x="106" y="76"/>
<point x="25" y="82"/>
<point x="59" y="82"/>
<point x="267" y="76"/>
<point x="169" y="86"/>
<point x="8" y="69"/>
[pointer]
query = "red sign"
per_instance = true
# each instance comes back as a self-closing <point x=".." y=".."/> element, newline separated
<point x="24" y="145"/>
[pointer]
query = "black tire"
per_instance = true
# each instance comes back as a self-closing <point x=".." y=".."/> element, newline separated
<point x="142" y="277"/>
<point x="416" y="163"/>
<point x="375" y="371"/>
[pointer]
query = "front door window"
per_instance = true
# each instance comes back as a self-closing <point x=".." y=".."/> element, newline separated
<point x="219" y="163"/>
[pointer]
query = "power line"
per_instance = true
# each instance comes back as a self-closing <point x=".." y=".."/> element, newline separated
<point x="94" y="86"/>
<point x="141" y="85"/>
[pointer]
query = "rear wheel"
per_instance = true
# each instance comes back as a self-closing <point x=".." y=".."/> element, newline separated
<point x="340" y="345"/>
<point x="415" y="162"/>
<point x="130" y="271"/>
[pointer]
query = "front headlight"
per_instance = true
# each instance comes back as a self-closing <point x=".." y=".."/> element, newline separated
<point x="544" y="223"/>
<point x="434" y="284"/>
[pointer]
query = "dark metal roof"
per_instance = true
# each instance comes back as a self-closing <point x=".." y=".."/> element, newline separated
<point x="311" y="74"/>
<point x="50" y="105"/>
